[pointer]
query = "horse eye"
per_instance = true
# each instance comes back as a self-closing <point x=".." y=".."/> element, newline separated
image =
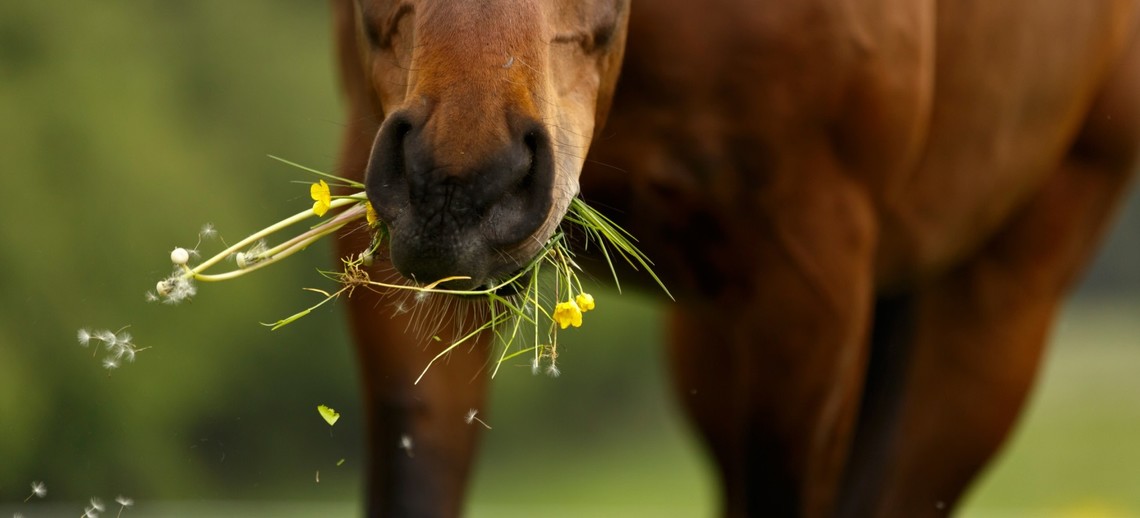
<point x="371" y="33"/>
<point x="602" y="35"/>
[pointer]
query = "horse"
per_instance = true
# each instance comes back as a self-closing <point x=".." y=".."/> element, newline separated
<point x="868" y="213"/>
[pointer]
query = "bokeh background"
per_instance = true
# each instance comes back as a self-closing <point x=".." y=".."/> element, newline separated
<point x="125" y="126"/>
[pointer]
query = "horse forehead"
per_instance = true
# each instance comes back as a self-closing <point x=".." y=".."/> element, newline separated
<point x="476" y="64"/>
<point x="489" y="23"/>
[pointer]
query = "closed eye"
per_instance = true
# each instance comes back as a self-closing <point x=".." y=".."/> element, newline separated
<point x="593" y="40"/>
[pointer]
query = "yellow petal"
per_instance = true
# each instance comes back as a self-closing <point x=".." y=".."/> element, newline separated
<point x="320" y="193"/>
<point x="567" y="314"/>
<point x="370" y="214"/>
<point x="328" y="414"/>
<point x="585" y="301"/>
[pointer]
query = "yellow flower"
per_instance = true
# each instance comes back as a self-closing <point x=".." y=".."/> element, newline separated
<point x="320" y="192"/>
<point x="370" y="214"/>
<point x="585" y="301"/>
<point x="568" y="314"/>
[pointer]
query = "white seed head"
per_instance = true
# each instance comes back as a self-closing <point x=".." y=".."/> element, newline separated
<point x="163" y="288"/>
<point x="535" y="366"/>
<point x="39" y="489"/>
<point x="208" y="231"/>
<point x="84" y="337"/>
<point x="124" y="501"/>
<point x="110" y="363"/>
<point x="97" y="504"/>
<point x="470" y="415"/>
<point x="553" y="371"/>
<point x="179" y="256"/>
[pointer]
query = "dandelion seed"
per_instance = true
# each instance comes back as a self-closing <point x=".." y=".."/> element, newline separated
<point x="151" y="297"/>
<point x="406" y="444"/>
<point x="176" y="288"/>
<point x="110" y="363"/>
<point x="123" y="338"/>
<point x="104" y="335"/>
<point x="17" y="515"/>
<point x="553" y="371"/>
<point x="208" y="231"/>
<point x="535" y="366"/>
<point x="84" y="337"/>
<point x="254" y="255"/>
<point x="128" y="352"/>
<point x="97" y="504"/>
<point x="39" y="490"/>
<point x="473" y="417"/>
<point x="124" y="503"/>
<point x="568" y="314"/>
<point x="90" y="512"/>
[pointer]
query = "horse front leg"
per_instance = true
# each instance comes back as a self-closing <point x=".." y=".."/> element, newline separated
<point x="770" y="363"/>
<point x="420" y="443"/>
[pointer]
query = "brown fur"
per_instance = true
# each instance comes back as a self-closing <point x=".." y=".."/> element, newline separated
<point x="817" y="180"/>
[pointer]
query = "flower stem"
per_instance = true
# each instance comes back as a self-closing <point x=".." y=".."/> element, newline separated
<point x="290" y="247"/>
<point x="272" y="229"/>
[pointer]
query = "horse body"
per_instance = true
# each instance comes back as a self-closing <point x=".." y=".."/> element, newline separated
<point x="869" y="212"/>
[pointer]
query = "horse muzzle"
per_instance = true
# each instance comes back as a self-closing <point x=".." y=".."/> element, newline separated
<point x="462" y="206"/>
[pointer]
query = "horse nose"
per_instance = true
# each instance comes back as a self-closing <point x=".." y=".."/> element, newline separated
<point x="452" y="210"/>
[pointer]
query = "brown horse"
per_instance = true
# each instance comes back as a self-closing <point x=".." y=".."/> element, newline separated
<point x="868" y="212"/>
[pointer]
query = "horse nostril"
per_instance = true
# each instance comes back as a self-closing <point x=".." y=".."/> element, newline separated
<point x="386" y="176"/>
<point x="523" y="203"/>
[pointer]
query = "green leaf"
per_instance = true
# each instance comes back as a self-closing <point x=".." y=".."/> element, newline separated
<point x="328" y="414"/>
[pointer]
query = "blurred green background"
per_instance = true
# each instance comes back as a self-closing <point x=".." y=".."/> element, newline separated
<point x="124" y="126"/>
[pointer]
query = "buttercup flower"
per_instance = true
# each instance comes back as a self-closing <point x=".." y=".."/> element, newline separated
<point x="322" y="198"/>
<point x="371" y="215"/>
<point x="585" y="301"/>
<point x="568" y="314"/>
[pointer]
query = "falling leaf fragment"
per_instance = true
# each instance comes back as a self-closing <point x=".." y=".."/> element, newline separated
<point x="328" y="414"/>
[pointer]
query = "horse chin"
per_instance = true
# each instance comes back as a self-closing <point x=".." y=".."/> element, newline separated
<point x="469" y="262"/>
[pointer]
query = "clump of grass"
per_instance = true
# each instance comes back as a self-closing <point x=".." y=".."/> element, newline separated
<point x="535" y="307"/>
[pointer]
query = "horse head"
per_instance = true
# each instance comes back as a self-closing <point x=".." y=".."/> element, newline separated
<point x="488" y="109"/>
